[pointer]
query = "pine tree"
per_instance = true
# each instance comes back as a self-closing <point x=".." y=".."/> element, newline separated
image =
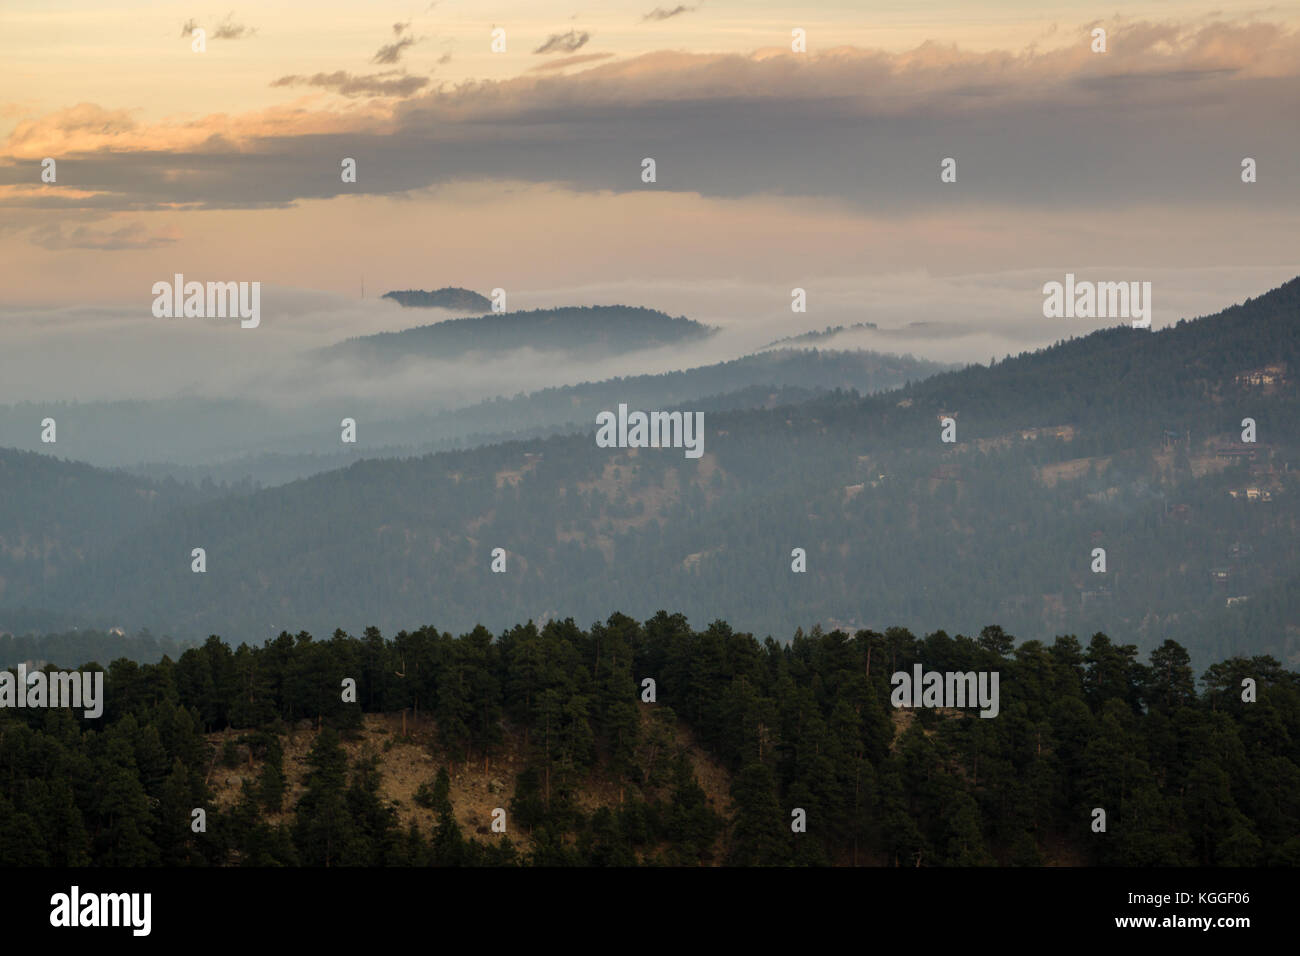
<point x="324" y="830"/>
<point x="759" y="827"/>
<point x="270" y="782"/>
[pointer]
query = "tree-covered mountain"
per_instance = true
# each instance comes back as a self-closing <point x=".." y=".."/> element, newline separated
<point x="806" y="338"/>
<point x="554" y="734"/>
<point x="55" y="512"/>
<point x="747" y="382"/>
<point x="1122" y="440"/>
<point x="450" y="297"/>
<point x="575" y="330"/>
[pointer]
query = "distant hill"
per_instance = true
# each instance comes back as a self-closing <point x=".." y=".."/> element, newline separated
<point x="576" y="330"/>
<point x="461" y="300"/>
<point x="829" y="332"/>
<point x="55" y="512"/>
<point x="76" y="647"/>
<point x="803" y="368"/>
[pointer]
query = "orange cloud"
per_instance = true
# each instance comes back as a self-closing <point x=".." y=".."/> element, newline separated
<point x="89" y="128"/>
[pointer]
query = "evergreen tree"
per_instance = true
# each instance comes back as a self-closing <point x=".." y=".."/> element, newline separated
<point x="324" y="830"/>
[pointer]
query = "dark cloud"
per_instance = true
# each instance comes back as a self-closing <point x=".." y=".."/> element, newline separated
<point x="865" y="128"/>
<point x="659" y="13"/>
<point x="227" y="29"/>
<point x="399" y="27"/>
<point x="392" y="52"/>
<point x="564" y="42"/>
<point x="347" y="84"/>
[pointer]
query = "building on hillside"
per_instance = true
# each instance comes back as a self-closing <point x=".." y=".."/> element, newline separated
<point x="1237" y="451"/>
<point x="1268" y="375"/>
<point x="1098" y="595"/>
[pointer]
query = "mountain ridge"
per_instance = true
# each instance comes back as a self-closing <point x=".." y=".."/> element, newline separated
<point x="577" y="330"/>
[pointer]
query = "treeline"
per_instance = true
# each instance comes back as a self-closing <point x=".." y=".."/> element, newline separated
<point x="1185" y="777"/>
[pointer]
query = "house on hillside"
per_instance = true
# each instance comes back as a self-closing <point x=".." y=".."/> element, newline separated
<point x="1236" y="451"/>
<point x="1090" y="596"/>
<point x="1268" y="375"/>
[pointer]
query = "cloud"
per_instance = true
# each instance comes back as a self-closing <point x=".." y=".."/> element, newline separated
<point x="84" y="118"/>
<point x="347" y="84"/>
<point x="399" y="27"/>
<point x="659" y="13"/>
<point x="88" y="125"/>
<point x="392" y="52"/>
<point x="564" y="42"/>
<point x="863" y="127"/>
<point x="227" y="29"/>
<point x="131" y="236"/>
<point x="560" y="64"/>
<point x="87" y="129"/>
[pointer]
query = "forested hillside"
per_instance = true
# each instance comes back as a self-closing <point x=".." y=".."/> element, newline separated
<point x="54" y="512"/>
<point x="605" y="777"/>
<point x="450" y="297"/>
<point x="827" y="333"/>
<point x="1122" y="440"/>
<point x="576" y="330"/>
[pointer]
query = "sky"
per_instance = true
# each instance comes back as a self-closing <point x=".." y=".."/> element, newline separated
<point x="775" y="169"/>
